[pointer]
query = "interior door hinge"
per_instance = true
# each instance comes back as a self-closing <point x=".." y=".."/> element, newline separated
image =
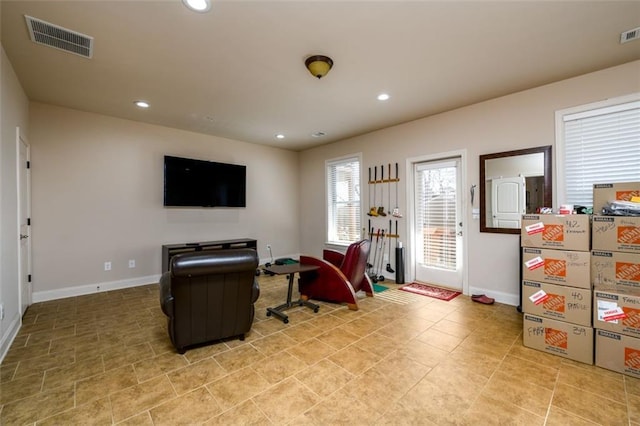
<point x="28" y="221"/>
<point x="29" y="277"/>
<point x="28" y="164"/>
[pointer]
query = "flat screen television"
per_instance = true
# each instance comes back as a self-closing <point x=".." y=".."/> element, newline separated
<point x="199" y="183"/>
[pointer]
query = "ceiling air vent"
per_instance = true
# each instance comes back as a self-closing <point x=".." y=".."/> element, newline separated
<point x="51" y="35"/>
<point x="630" y="35"/>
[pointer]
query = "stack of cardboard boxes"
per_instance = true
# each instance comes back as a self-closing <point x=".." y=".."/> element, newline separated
<point x="615" y="274"/>
<point x="556" y="285"/>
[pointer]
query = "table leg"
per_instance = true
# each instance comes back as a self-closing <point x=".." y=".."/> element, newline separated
<point x="277" y="311"/>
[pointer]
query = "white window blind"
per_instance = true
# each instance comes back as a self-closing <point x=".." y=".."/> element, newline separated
<point x="597" y="145"/>
<point x="343" y="200"/>
<point x="436" y="213"/>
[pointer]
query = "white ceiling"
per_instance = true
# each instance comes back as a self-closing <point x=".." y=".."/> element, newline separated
<point x="238" y="71"/>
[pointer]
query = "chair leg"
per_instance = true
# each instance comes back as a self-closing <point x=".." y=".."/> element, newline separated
<point x="242" y="337"/>
<point x="353" y="306"/>
<point x="369" y="294"/>
<point x="304" y="297"/>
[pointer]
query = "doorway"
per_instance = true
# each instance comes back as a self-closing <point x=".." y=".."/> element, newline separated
<point x="24" y="221"/>
<point x="436" y="221"/>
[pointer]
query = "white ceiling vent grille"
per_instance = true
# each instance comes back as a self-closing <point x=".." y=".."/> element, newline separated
<point x="51" y="35"/>
<point x="630" y="35"/>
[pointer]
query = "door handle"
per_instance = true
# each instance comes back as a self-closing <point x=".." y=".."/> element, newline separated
<point x="22" y="236"/>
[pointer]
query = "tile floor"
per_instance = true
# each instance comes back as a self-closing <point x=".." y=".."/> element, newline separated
<point x="401" y="359"/>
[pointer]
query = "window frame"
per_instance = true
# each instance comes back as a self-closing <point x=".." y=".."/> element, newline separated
<point x="329" y="225"/>
<point x="590" y="109"/>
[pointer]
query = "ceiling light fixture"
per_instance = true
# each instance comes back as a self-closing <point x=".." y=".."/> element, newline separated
<point x="142" y="104"/>
<point x="279" y="136"/>
<point x="383" y="96"/>
<point x="200" y="6"/>
<point x="318" y="65"/>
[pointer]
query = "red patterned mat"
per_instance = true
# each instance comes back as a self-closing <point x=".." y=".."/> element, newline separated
<point x="431" y="291"/>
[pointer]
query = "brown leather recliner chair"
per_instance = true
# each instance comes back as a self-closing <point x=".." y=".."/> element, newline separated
<point x="339" y="277"/>
<point x="209" y="295"/>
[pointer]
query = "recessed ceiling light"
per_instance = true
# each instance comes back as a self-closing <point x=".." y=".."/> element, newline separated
<point x="318" y="134"/>
<point x="198" y="5"/>
<point x="142" y="104"/>
<point x="279" y="136"/>
<point x="383" y="96"/>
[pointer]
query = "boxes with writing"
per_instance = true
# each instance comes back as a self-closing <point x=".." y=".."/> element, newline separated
<point x="615" y="268"/>
<point x="618" y="352"/>
<point x="564" y="232"/>
<point x="562" y="267"/>
<point x="559" y="338"/>
<point x="569" y="304"/>
<point x="616" y="233"/>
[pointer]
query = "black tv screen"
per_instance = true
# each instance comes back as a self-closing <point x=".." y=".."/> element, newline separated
<point x="199" y="183"/>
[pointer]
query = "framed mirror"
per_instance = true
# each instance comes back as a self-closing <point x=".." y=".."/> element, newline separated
<point x="513" y="183"/>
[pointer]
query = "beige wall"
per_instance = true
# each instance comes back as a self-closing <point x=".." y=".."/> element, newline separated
<point x="13" y="113"/>
<point x="97" y="187"/>
<point x="517" y="121"/>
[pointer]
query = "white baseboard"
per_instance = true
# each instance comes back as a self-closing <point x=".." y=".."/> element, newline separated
<point x="9" y="336"/>
<point x="500" y="297"/>
<point x="43" y="296"/>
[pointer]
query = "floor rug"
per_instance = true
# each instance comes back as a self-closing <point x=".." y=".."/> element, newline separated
<point x="379" y="288"/>
<point x="431" y="291"/>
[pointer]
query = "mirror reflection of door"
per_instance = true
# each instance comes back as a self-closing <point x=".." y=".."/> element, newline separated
<point x="502" y="207"/>
<point x="508" y="199"/>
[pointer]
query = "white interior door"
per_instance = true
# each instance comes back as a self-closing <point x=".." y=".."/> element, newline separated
<point x="508" y="201"/>
<point x="24" y="231"/>
<point x="437" y="223"/>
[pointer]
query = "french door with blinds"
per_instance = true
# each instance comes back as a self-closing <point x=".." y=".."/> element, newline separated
<point x="438" y="223"/>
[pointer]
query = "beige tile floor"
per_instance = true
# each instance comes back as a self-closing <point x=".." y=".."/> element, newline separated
<point x="401" y="359"/>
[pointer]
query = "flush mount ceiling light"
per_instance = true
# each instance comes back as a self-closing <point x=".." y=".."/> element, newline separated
<point x="141" y="104"/>
<point x="279" y="136"/>
<point x="198" y="5"/>
<point x="318" y="65"/>
<point x="383" y="96"/>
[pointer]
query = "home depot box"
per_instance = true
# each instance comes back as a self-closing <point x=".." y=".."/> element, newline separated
<point x="569" y="304"/>
<point x="617" y="352"/>
<point x="562" y="267"/>
<point x="617" y="309"/>
<point x="615" y="268"/>
<point x="603" y="193"/>
<point x="565" y="232"/>
<point x="557" y="337"/>
<point x="616" y="233"/>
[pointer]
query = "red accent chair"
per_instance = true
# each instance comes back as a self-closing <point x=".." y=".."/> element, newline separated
<point x="340" y="276"/>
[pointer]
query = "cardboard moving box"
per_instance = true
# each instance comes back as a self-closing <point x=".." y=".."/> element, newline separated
<point x="564" y="232"/>
<point x="616" y="233"/>
<point x="561" y="267"/>
<point x="617" y="309"/>
<point x="603" y="193"/>
<point x="569" y="304"/>
<point x="617" y="352"/>
<point x="615" y="268"/>
<point x="559" y="338"/>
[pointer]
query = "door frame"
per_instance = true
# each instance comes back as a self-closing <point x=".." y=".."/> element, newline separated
<point x="22" y="280"/>
<point x="409" y="226"/>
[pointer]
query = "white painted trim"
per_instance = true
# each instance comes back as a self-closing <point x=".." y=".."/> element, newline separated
<point x="9" y="336"/>
<point x="43" y="296"/>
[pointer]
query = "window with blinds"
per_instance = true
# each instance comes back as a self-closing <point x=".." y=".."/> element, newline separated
<point x="436" y="214"/>
<point x="343" y="200"/>
<point x="597" y="143"/>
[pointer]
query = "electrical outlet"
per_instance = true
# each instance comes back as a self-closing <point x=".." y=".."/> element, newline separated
<point x="107" y="266"/>
<point x="132" y="263"/>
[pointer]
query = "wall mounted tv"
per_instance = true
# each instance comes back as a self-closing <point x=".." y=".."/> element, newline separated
<point x="199" y="183"/>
